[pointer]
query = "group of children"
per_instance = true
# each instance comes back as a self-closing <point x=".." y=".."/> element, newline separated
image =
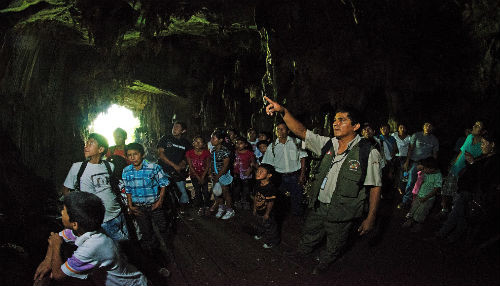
<point x="95" y="216"/>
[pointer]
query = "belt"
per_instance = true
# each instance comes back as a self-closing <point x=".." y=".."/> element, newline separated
<point x="143" y="204"/>
<point x="294" y="173"/>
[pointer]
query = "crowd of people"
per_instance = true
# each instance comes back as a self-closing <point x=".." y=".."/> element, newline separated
<point x="117" y="195"/>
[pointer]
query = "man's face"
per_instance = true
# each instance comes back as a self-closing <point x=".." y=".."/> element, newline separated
<point x="342" y="126"/>
<point x="281" y="131"/>
<point x="135" y="157"/>
<point x="402" y="129"/>
<point x="384" y="130"/>
<point x="367" y="132"/>
<point x="427" y="128"/>
<point x="92" y="148"/>
<point x="177" y="130"/>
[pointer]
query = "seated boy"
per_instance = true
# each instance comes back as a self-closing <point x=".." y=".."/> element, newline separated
<point x="95" y="179"/>
<point x="426" y="195"/>
<point x="145" y="186"/>
<point x="265" y="194"/>
<point x="96" y="259"/>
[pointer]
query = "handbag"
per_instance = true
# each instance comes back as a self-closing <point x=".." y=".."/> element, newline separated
<point x="225" y="179"/>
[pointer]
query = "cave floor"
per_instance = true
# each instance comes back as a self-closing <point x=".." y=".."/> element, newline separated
<point x="208" y="251"/>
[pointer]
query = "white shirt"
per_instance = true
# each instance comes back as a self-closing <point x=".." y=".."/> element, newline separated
<point x="315" y="143"/>
<point x="286" y="158"/>
<point x="403" y="144"/>
<point x="95" y="179"/>
<point x="97" y="259"/>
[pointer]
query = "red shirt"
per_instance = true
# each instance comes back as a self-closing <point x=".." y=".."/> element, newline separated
<point x="198" y="161"/>
<point x="242" y="163"/>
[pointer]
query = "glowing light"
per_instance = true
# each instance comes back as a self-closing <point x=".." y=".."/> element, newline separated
<point x="116" y="116"/>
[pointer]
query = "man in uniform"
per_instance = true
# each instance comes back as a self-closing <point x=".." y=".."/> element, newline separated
<point x="349" y="176"/>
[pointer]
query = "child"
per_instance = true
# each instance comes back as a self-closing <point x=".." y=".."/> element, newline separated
<point x="199" y="162"/>
<point x="92" y="176"/>
<point x="262" y="147"/>
<point x="219" y="166"/>
<point x="265" y="194"/>
<point x="96" y="259"/>
<point x="244" y="163"/>
<point x="432" y="181"/>
<point x="145" y="185"/>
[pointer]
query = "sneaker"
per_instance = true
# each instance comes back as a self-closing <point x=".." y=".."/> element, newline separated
<point x="408" y="215"/>
<point x="220" y="212"/>
<point x="417" y="227"/>
<point x="164" y="272"/>
<point x="229" y="214"/>
<point x="320" y="268"/>
<point x="201" y="212"/>
<point x="407" y="223"/>
<point x="257" y="237"/>
<point x="267" y="245"/>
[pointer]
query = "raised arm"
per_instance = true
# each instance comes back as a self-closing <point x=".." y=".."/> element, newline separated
<point x="293" y="124"/>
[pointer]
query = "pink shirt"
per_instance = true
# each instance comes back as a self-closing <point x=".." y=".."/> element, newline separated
<point x="198" y="161"/>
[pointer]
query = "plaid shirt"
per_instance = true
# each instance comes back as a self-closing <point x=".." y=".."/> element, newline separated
<point x="143" y="184"/>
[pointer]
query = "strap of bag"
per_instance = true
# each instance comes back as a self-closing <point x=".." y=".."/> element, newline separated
<point x="114" y="189"/>
<point x="79" y="175"/>
<point x="215" y="165"/>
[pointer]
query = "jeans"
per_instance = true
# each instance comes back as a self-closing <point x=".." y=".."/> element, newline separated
<point x="412" y="178"/>
<point x="181" y="185"/>
<point x="116" y="228"/>
<point x="202" y="196"/>
<point x="290" y="183"/>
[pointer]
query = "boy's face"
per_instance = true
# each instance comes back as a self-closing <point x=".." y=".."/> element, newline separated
<point x="119" y="139"/>
<point x="384" y="130"/>
<point x="198" y="143"/>
<point x="215" y="141"/>
<point x="367" y="132"/>
<point x="263" y="148"/>
<point x="240" y="145"/>
<point x="65" y="218"/>
<point x="262" y="137"/>
<point x="262" y="174"/>
<point x="427" y="128"/>
<point x="135" y="157"/>
<point x="252" y="135"/>
<point x="402" y="129"/>
<point x="92" y="148"/>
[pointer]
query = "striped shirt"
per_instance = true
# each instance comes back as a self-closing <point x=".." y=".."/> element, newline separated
<point x="143" y="184"/>
<point x="97" y="259"/>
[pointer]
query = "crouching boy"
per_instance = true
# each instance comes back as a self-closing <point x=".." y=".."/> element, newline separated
<point x="96" y="259"/>
<point x="145" y="186"/>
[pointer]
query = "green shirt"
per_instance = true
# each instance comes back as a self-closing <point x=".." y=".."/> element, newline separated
<point x="431" y="181"/>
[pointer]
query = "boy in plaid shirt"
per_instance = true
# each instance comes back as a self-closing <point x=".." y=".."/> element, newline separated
<point x="145" y="186"/>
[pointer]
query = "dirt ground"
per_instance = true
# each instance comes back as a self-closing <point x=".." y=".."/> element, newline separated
<point x="209" y="251"/>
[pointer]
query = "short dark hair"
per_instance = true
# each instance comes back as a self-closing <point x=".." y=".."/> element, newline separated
<point x="385" y="124"/>
<point x="101" y="141"/>
<point x="352" y="113"/>
<point x="269" y="168"/>
<point x="86" y="209"/>
<point x="121" y="131"/>
<point x="242" y="139"/>
<point x="282" y="122"/>
<point x="430" y="162"/>
<point x="134" y="146"/>
<point x="219" y="133"/>
<point x="182" y="124"/>
<point x="262" y="142"/>
<point x="490" y="136"/>
<point x="200" y="137"/>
